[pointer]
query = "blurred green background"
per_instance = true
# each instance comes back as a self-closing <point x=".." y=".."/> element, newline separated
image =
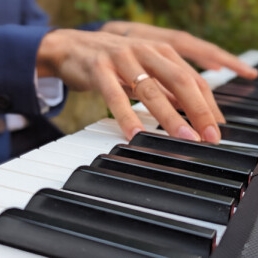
<point x="232" y="24"/>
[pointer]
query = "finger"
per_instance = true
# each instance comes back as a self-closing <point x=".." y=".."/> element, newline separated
<point x="117" y="101"/>
<point x="209" y="97"/>
<point x="131" y="95"/>
<point x="170" y="96"/>
<point x="232" y="62"/>
<point x="206" y="91"/>
<point x="160" y="107"/>
<point x="210" y="56"/>
<point x="187" y="93"/>
<point x="151" y="96"/>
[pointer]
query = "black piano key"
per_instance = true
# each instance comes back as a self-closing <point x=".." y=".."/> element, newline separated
<point x="243" y="149"/>
<point x="152" y="194"/>
<point x="246" y="91"/>
<point x="213" y="154"/>
<point x="239" y="111"/>
<point x="241" y="236"/>
<point x="182" y="161"/>
<point x="170" y="175"/>
<point x="245" y="104"/>
<point x="241" y="80"/>
<point x="38" y="234"/>
<point x="239" y="134"/>
<point x="139" y="227"/>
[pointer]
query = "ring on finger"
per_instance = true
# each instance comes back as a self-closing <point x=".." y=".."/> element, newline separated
<point x="138" y="79"/>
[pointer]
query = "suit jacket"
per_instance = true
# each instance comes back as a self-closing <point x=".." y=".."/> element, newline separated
<point x="18" y="48"/>
<point x="22" y="26"/>
<point x="23" y="12"/>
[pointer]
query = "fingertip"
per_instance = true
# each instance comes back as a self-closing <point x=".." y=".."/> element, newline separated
<point x="211" y="134"/>
<point x="135" y="131"/>
<point x="248" y="72"/>
<point x="129" y="134"/>
<point x="253" y="73"/>
<point x="187" y="133"/>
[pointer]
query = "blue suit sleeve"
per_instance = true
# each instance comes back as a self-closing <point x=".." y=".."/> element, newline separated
<point x="18" y="49"/>
<point x="32" y="14"/>
<point x="23" y="12"/>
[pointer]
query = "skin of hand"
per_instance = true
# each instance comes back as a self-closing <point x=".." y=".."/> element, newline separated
<point x="201" y="52"/>
<point x="101" y="60"/>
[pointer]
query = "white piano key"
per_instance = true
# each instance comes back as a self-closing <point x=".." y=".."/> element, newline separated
<point x="26" y="183"/>
<point x="37" y="169"/>
<point x="249" y="57"/>
<point x="140" y="107"/>
<point x="55" y="159"/>
<point x="9" y="252"/>
<point x="72" y="150"/>
<point x="108" y="125"/>
<point x="112" y="128"/>
<point x="94" y="140"/>
<point x="17" y="187"/>
<point x="10" y="198"/>
<point x="2" y="209"/>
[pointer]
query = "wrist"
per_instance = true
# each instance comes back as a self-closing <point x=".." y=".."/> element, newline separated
<point x="49" y="54"/>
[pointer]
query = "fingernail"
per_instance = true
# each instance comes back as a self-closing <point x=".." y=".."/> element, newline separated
<point x="187" y="133"/>
<point x="135" y="131"/>
<point x="210" y="134"/>
<point x="252" y="72"/>
<point x="255" y="72"/>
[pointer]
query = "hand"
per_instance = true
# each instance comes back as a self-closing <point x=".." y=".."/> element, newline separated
<point x="203" y="53"/>
<point x="99" y="60"/>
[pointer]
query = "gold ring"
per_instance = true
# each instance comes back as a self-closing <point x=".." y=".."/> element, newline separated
<point x="139" y="79"/>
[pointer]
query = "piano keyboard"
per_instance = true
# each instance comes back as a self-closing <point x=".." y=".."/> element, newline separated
<point x="53" y="166"/>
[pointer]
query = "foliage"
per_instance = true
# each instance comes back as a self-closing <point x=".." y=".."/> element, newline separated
<point x="232" y="24"/>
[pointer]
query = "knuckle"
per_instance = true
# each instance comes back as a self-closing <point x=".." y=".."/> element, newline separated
<point x="185" y="79"/>
<point x="213" y="51"/>
<point x="125" y="119"/>
<point x="114" y="97"/>
<point x="97" y="62"/>
<point x="201" y="112"/>
<point x="165" y="48"/>
<point x="119" y="53"/>
<point x="150" y="92"/>
<point x="184" y="35"/>
<point x="203" y="86"/>
<point x="169" y="121"/>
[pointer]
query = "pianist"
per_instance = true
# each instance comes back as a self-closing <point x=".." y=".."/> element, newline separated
<point x="145" y="58"/>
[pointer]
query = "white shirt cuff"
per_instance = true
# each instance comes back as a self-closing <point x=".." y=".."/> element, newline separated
<point x="49" y="91"/>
